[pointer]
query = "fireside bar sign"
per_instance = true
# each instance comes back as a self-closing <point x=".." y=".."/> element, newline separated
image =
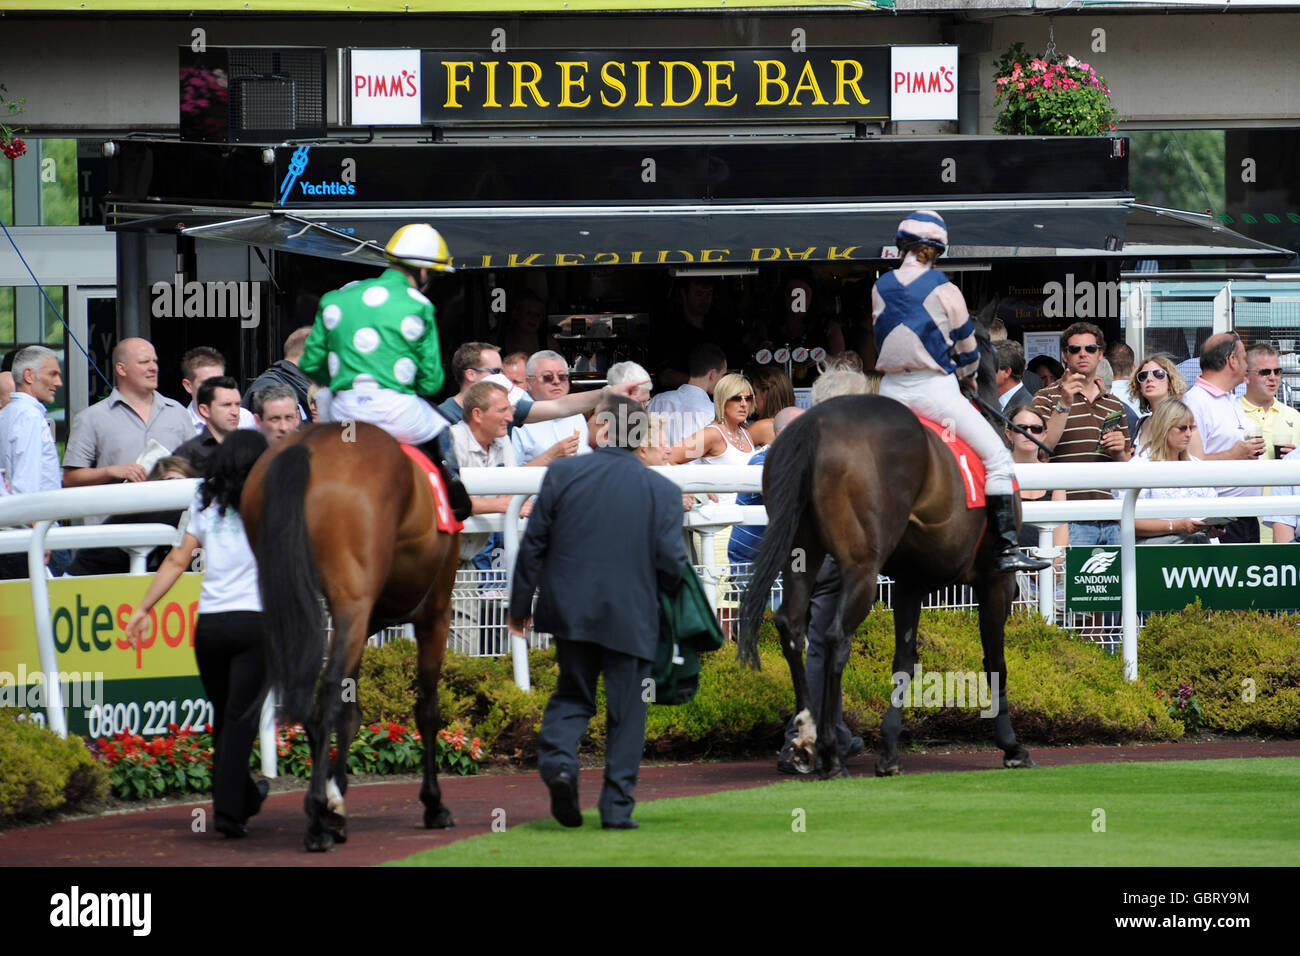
<point x="640" y="86"/>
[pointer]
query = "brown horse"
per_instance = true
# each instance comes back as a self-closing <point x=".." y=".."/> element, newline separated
<point x="342" y="513"/>
<point x="859" y="478"/>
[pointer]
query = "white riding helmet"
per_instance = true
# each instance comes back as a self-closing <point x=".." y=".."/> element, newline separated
<point x="421" y="246"/>
<point x="924" y="226"/>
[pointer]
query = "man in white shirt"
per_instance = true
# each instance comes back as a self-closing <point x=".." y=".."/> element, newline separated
<point x="547" y="377"/>
<point x="690" y="407"/>
<point x="1284" y="526"/>
<point x="197" y="366"/>
<point x="1220" y="433"/>
<point x="27" y="451"/>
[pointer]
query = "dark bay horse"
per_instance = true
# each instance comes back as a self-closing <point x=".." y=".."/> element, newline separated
<point x="861" y="479"/>
<point x="343" y="514"/>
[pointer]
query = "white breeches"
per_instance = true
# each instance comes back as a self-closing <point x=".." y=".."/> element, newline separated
<point x="408" y="418"/>
<point x="938" y="397"/>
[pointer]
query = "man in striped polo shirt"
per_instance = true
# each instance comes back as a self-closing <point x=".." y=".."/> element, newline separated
<point x="1084" y="423"/>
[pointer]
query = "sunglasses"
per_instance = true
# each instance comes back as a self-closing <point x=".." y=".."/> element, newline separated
<point x="491" y="371"/>
<point x="1268" y="371"/>
<point x="741" y="398"/>
<point x="550" y="378"/>
<point x="1076" y="349"/>
<point x="1034" y="429"/>
<point x="1190" y="427"/>
<point x="1158" y="374"/>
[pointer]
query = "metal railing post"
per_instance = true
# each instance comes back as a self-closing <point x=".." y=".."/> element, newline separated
<point x="1047" y="576"/>
<point x="267" y="736"/>
<point x="1128" y="582"/>
<point x="510" y="545"/>
<point x="40" y="582"/>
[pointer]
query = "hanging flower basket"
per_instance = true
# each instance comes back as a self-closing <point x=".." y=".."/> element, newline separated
<point x="10" y="144"/>
<point x="1050" y="96"/>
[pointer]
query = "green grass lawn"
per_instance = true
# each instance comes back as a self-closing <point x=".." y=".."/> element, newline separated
<point x="1183" y="813"/>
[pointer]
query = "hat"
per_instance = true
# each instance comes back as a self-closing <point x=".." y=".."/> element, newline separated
<point x="513" y="392"/>
<point x="925" y="226"/>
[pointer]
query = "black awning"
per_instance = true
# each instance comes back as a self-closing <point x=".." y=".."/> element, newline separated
<point x="746" y="235"/>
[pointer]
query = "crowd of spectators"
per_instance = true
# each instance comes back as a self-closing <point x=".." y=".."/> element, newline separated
<point x="136" y="433"/>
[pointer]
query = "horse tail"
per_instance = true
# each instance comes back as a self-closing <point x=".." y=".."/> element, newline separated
<point x="787" y="473"/>
<point x="289" y="585"/>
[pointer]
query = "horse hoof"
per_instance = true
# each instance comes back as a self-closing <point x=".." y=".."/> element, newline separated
<point x="439" y="819"/>
<point x="319" y="842"/>
<point x="340" y="834"/>
<point x="888" y="770"/>
<point x="1020" y="760"/>
<point x="839" y="773"/>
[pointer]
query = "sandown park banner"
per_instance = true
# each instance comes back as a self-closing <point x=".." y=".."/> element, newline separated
<point x="107" y="684"/>
<point x="1223" y="577"/>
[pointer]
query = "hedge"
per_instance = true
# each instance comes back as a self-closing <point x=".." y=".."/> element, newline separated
<point x="40" y="771"/>
<point x="1062" y="689"/>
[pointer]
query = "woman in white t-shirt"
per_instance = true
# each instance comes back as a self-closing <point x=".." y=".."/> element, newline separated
<point x="228" y="635"/>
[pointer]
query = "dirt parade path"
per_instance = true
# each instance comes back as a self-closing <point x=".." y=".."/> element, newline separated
<point x="384" y="818"/>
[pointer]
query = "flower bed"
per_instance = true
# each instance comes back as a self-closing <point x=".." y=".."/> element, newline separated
<point x="181" y="761"/>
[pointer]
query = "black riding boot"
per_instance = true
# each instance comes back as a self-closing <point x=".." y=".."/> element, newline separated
<point x="443" y="454"/>
<point x="1002" y="519"/>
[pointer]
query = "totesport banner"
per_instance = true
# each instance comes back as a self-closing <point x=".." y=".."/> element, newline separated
<point x="1225" y="577"/>
<point x="107" y="685"/>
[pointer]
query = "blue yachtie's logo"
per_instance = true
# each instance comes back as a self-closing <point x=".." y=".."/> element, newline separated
<point x="297" y="166"/>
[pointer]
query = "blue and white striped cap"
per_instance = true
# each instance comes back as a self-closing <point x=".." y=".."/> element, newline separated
<point x="924" y="225"/>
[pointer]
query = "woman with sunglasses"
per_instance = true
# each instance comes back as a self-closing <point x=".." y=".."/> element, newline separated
<point x="925" y="343"/>
<point x="1025" y="452"/>
<point x="1155" y="380"/>
<point x="1172" y="428"/>
<point x="725" y="440"/>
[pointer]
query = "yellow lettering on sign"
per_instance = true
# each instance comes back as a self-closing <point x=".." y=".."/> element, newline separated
<point x="714" y="255"/>
<point x="636" y="257"/>
<point x="569" y="82"/>
<point x="757" y="255"/>
<point x="841" y="81"/>
<point x="569" y="258"/>
<point x="765" y="81"/>
<point x="454" y="81"/>
<point x="613" y="82"/>
<point x="717" y="82"/>
<point x="697" y="81"/>
<point x="808" y="83"/>
<point x="490" y="94"/>
<point x="836" y="254"/>
<point x="515" y="261"/>
<point x="665" y="253"/>
<point x="806" y="254"/>
<point x="607" y="258"/>
<point x="531" y="85"/>
<point x="487" y="262"/>
<point x="641" y="67"/>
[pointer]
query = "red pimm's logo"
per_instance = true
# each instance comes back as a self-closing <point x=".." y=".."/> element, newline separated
<point x="942" y="80"/>
<point x="386" y="86"/>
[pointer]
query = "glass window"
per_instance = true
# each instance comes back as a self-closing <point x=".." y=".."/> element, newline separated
<point x="1178" y="168"/>
<point x="58" y="172"/>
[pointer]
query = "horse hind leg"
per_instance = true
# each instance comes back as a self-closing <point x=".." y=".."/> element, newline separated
<point x="326" y="816"/>
<point x="995" y="594"/>
<point x="907" y="617"/>
<point x="346" y="725"/>
<point x="841" y="601"/>
<point x="791" y="620"/>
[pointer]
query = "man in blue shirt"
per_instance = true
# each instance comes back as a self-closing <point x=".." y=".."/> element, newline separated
<point x="27" y="451"/>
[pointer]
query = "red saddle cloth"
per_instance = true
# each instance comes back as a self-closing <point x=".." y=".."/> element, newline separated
<point x="968" y="463"/>
<point x="442" y="501"/>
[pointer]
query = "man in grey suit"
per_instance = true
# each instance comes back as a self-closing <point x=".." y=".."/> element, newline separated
<point x="605" y="534"/>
